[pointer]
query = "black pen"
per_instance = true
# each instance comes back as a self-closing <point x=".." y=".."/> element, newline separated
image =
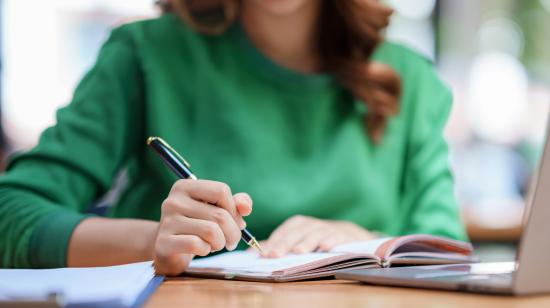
<point x="181" y="168"/>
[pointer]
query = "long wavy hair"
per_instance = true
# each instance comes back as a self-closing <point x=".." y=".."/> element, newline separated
<point x="350" y="31"/>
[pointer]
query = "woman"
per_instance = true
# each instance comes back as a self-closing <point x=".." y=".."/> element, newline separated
<point x="294" y="102"/>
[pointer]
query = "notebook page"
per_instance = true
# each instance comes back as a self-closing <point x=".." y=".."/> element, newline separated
<point x="242" y="261"/>
<point x="363" y="247"/>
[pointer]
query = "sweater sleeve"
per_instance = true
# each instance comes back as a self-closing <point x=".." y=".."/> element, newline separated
<point x="428" y="194"/>
<point x="45" y="190"/>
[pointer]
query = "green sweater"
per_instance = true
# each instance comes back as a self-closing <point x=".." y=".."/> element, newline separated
<point x="294" y="142"/>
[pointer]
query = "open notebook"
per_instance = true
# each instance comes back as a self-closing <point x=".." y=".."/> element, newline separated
<point x="384" y="252"/>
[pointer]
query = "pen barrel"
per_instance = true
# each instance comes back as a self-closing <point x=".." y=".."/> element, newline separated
<point x="180" y="167"/>
<point x="171" y="160"/>
<point x="246" y="236"/>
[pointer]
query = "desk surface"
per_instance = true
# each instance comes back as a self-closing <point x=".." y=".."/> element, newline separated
<point x="189" y="292"/>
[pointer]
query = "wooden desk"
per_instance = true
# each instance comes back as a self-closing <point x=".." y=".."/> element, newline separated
<point x="189" y="292"/>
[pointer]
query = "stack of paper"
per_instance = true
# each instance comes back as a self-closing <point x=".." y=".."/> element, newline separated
<point x="113" y="286"/>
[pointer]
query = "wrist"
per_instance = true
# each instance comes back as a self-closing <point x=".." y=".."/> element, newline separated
<point x="147" y="240"/>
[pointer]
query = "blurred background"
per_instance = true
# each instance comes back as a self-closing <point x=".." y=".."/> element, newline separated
<point x="494" y="54"/>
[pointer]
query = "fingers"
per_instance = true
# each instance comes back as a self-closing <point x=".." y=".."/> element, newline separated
<point x="243" y="202"/>
<point x="289" y="234"/>
<point x="311" y="241"/>
<point x="301" y="234"/>
<point x="208" y="231"/>
<point x="189" y="208"/>
<point x="348" y="232"/>
<point x="282" y="231"/>
<point x="198" y="217"/>
<point x="280" y="249"/>
<point x="190" y="244"/>
<point x="212" y="192"/>
<point x="173" y="253"/>
<point x="328" y="243"/>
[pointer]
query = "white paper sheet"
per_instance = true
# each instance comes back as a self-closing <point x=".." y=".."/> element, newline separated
<point x="242" y="261"/>
<point x="368" y="247"/>
<point x="119" y="285"/>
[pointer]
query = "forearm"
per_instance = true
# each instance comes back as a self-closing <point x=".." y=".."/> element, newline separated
<point x="106" y="241"/>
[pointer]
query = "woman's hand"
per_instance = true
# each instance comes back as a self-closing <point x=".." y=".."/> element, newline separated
<point x="198" y="217"/>
<point x="302" y="234"/>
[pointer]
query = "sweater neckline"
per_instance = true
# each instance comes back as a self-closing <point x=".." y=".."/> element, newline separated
<point x="278" y="71"/>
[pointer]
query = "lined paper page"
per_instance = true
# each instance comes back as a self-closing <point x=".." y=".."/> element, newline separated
<point x="242" y="261"/>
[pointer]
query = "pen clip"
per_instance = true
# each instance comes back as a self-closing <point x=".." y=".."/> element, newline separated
<point x="172" y="151"/>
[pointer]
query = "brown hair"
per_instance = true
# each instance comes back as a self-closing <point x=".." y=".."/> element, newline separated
<point x="350" y="31"/>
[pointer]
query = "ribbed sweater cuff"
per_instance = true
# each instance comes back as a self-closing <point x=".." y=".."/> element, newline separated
<point x="50" y="239"/>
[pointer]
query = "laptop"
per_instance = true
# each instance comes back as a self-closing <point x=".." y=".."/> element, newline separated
<point x="530" y="273"/>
